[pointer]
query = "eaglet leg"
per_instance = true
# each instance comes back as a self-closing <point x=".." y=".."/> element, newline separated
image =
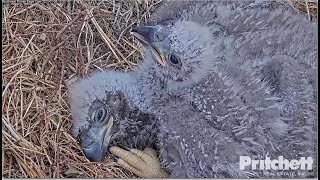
<point x="144" y="163"/>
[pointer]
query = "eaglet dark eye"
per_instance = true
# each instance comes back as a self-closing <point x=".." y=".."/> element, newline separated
<point x="174" y="60"/>
<point x="100" y="114"/>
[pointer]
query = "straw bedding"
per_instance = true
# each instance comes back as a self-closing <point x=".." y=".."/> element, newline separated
<point x="43" y="45"/>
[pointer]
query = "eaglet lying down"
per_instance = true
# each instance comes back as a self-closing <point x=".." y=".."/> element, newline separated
<point x="214" y="97"/>
<point x="102" y="114"/>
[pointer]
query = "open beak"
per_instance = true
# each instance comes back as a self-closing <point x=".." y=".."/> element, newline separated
<point x="95" y="143"/>
<point x="145" y="35"/>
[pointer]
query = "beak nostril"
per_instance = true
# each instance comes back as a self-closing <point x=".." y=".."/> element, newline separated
<point x="91" y="144"/>
<point x="87" y="145"/>
<point x="157" y="37"/>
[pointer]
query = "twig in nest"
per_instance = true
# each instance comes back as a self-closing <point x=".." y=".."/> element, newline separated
<point x="105" y="37"/>
<point x="68" y="25"/>
<point x="58" y="88"/>
<point x="81" y="66"/>
<point x="50" y="53"/>
<point x="308" y="12"/>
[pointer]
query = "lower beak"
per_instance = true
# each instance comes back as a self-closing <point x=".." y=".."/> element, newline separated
<point x="97" y="150"/>
<point x="145" y="35"/>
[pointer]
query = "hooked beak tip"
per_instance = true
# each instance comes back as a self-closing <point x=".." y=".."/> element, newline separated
<point x="96" y="149"/>
<point x="145" y="35"/>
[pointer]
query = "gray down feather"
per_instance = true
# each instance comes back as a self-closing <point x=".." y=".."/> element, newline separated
<point x="247" y="88"/>
<point x="132" y="128"/>
<point x="279" y="54"/>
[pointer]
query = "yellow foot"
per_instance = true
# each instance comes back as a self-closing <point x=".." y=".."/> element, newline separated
<point x="144" y="163"/>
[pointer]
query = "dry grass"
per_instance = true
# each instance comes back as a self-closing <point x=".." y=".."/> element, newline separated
<point x="45" y="44"/>
<point x="309" y="7"/>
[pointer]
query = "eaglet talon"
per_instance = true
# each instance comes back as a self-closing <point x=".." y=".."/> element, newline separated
<point x="142" y="163"/>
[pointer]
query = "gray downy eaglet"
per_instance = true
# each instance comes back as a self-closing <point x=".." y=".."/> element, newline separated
<point x="254" y="83"/>
<point x="102" y="115"/>
<point x="216" y="98"/>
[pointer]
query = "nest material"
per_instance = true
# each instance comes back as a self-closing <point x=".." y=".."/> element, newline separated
<point x="310" y="7"/>
<point x="45" y="44"/>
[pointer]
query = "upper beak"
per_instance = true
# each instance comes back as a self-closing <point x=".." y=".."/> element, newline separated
<point x="145" y="35"/>
<point x="95" y="144"/>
